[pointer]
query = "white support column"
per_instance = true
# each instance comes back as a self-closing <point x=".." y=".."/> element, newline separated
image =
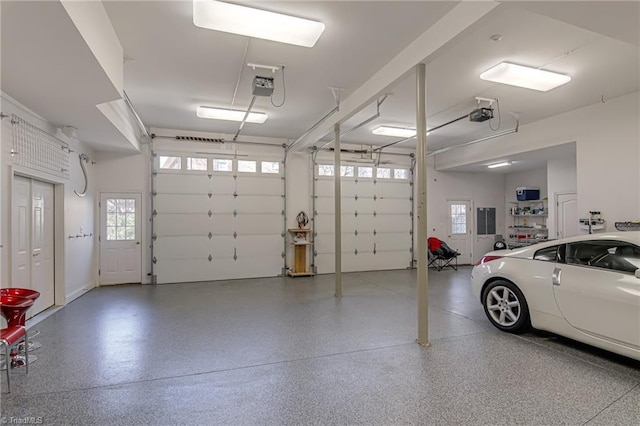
<point x="421" y="157"/>
<point x="338" y="211"/>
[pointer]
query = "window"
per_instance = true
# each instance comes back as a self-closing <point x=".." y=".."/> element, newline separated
<point x="247" y="166"/>
<point x="196" y="163"/>
<point x="121" y="219"/>
<point x="458" y="219"/>
<point x="170" y="163"/>
<point x="325" y="170"/>
<point x="400" y="173"/>
<point x="270" y="167"/>
<point x="616" y="255"/>
<point x="548" y="254"/>
<point x="365" y="172"/>
<point x="222" y="165"/>
<point x="347" y="171"/>
<point x="383" y="173"/>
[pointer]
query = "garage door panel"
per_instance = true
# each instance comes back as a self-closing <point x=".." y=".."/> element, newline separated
<point x="326" y="222"/>
<point x="174" y="225"/>
<point x="222" y="204"/>
<point x="182" y="203"/>
<point x="392" y="207"/>
<point x="394" y="223"/>
<point x="393" y="190"/>
<point x="183" y="270"/>
<point x="182" y="247"/>
<point x="393" y="241"/>
<point x="348" y="188"/>
<point x="259" y="224"/>
<point x="325" y="187"/>
<point x="260" y="203"/>
<point x="258" y="245"/>
<point x="181" y="184"/>
<point x="259" y="185"/>
<point x="222" y="184"/>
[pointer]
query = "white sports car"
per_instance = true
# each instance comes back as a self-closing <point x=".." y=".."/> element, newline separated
<point x="586" y="288"/>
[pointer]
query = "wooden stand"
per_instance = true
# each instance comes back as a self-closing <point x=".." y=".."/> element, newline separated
<point x="300" y="241"/>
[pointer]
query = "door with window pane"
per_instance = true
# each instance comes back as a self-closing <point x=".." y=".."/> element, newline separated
<point x="459" y="230"/>
<point x="120" y="248"/>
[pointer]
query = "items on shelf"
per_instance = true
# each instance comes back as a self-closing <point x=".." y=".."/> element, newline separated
<point x="529" y="222"/>
<point x="595" y="222"/>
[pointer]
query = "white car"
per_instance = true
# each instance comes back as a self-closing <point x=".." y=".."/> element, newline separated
<point x="586" y="288"/>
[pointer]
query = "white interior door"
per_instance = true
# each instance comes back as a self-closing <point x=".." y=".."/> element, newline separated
<point x="567" y="215"/>
<point x="460" y="226"/>
<point x="120" y="235"/>
<point x="32" y="240"/>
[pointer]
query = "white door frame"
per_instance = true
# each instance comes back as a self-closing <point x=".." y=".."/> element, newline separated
<point x="101" y="227"/>
<point x="470" y="225"/>
<point x="556" y="208"/>
<point x="58" y="229"/>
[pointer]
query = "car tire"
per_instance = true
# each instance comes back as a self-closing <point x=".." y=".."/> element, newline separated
<point x="505" y="306"/>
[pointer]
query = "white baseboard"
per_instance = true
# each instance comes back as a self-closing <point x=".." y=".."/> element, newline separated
<point x="77" y="293"/>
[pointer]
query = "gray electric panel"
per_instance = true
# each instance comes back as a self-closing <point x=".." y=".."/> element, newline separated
<point x="486" y="220"/>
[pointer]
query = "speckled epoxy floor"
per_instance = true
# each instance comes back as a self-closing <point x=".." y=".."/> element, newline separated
<point x="285" y="351"/>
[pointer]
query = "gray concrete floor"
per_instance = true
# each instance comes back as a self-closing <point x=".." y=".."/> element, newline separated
<point x="285" y="351"/>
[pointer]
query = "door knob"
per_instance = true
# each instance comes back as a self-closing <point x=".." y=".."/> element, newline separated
<point x="138" y="242"/>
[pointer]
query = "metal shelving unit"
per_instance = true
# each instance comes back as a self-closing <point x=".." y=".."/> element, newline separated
<point x="529" y="223"/>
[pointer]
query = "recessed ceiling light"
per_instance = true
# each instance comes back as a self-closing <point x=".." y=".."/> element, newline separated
<point x="247" y="21"/>
<point x="521" y="76"/>
<point x="230" y="114"/>
<point x="394" y="131"/>
<point x="503" y="164"/>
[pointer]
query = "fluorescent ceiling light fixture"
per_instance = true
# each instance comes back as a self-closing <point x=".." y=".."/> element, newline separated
<point x="247" y="21"/>
<point x="230" y="114"/>
<point x="394" y="131"/>
<point x="521" y="76"/>
<point x="496" y="165"/>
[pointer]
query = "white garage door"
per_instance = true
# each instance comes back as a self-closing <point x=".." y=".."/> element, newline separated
<point x="376" y="217"/>
<point x="217" y="218"/>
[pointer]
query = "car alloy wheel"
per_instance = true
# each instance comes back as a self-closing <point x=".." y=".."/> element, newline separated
<point x="506" y="306"/>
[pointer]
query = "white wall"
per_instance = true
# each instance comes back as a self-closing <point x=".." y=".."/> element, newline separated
<point x="118" y="172"/>
<point x="607" y="139"/>
<point x="483" y="189"/>
<point x="561" y="179"/>
<point x="76" y="257"/>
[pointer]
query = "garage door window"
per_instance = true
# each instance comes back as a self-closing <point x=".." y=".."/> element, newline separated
<point x="270" y="167"/>
<point x="383" y="173"/>
<point x="325" y="170"/>
<point x="222" y="165"/>
<point x="196" y="163"/>
<point x="347" y="171"/>
<point x="169" y="162"/>
<point x="365" y="172"/>
<point x="401" y="174"/>
<point x="246" y="166"/>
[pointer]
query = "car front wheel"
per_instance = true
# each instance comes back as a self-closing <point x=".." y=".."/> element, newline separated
<point x="506" y="306"/>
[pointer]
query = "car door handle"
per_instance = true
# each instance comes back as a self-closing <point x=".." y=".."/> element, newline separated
<point x="556" y="276"/>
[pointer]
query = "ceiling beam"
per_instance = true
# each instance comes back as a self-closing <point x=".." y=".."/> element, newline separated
<point x="461" y="17"/>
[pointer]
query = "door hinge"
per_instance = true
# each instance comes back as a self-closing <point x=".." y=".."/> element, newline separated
<point x="98" y="271"/>
<point x="99" y="204"/>
<point x="99" y="238"/>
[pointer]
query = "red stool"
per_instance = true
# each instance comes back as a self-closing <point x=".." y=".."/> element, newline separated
<point x="13" y="309"/>
<point x="9" y="337"/>
<point x="25" y="293"/>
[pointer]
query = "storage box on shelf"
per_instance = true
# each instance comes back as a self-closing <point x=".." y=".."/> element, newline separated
<point x="529" y="223"/>
<point x="300" y="240"/>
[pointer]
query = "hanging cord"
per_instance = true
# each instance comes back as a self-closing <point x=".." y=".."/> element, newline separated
<point x="499" y="117"/>
<point x="302" y="220"/>
<point x="284" y="92"/>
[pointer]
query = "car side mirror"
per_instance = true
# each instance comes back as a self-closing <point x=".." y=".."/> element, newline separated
<point x="638" y="273"/>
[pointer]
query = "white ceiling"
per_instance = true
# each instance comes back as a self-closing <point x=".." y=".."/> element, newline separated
<point x="175" y="67"/>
